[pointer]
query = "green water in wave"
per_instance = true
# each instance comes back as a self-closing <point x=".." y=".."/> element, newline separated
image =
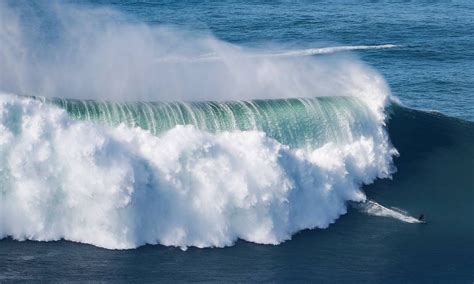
<point x="294" y="122"/>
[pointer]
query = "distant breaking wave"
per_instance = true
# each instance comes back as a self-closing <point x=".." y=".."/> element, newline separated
<point x="326" y="50"/>
<point x="283" y="54"/>
<point x="297" y="122"/>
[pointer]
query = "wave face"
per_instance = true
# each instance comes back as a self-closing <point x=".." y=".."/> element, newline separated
<point x="294" y="122"/>
<point x="120" y="175"/>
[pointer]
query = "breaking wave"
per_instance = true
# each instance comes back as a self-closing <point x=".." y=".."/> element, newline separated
<point x="235" y="171"/>
<point x="103" y="143"/>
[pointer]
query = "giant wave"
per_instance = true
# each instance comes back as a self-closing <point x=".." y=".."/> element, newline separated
<point x="110" y="179"/>
<point x="105" y="141"/>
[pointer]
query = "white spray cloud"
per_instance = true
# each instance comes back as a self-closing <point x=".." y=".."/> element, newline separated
<point x="373" y="208"/>
<point x="64" y="50"/>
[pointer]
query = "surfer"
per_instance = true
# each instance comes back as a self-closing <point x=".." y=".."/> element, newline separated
<point x="422" y="218"/>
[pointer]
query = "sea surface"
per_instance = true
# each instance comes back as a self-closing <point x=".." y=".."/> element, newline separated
<point x="237" y="141"/>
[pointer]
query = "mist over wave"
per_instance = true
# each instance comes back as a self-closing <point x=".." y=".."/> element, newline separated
<point x="299" y="123"/>
<point x="54" y="49"/>
<point x="119" y="165"/>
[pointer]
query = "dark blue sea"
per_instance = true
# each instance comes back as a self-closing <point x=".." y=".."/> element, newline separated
<point x="265" y="182"/>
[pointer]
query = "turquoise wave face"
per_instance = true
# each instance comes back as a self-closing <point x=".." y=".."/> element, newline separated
<point x="295" y="122"/>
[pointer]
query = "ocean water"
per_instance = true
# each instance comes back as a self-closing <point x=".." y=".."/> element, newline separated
<point x="237" y="141"/>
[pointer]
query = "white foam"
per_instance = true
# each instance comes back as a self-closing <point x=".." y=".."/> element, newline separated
<point x="121" y="188"/>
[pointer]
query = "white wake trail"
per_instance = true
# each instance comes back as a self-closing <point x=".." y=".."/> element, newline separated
<point x="373" y="208"/>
